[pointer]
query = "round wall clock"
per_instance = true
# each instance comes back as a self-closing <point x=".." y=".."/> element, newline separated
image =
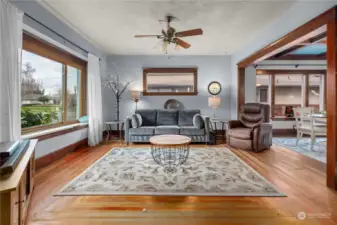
<point x="214" y="88"/>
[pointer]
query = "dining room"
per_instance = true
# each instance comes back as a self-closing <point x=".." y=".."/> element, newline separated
<point x="297" y="98"/>
<point x="294" y="83"/>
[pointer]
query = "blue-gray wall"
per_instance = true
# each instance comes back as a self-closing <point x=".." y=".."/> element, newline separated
<point x="210" y="68"/>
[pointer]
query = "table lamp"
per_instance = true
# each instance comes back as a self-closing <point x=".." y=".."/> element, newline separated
<point x="214" y="103"/>
<point x="135" y="95"/>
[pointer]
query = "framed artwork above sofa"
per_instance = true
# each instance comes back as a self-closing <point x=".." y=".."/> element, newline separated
<point x="170" y="81"/>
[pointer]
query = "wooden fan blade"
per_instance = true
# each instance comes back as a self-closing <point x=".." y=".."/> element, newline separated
<point x="189" y="33"/>
<point x="182" y="43"/>
<point x="143" y="36"/>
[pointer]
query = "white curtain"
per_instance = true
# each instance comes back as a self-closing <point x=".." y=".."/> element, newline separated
<point x="10" y="71"/>
<point x="95" y="135"/>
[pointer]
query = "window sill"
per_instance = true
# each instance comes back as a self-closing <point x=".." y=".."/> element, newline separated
<point x="54" y="132"/>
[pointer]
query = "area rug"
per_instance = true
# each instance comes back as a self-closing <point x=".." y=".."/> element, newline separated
<point x="208" y="171"/>
<point x="304" y="147"/>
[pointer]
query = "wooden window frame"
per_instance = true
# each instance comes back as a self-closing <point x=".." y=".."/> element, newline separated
<point x="42" y="48"/>
<point x="274" y="73"/>
<point x="170" y="70"/>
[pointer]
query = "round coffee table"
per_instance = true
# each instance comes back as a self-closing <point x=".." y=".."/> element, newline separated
<point x="170" y="151"/>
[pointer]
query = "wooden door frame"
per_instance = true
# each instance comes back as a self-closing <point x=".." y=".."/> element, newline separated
<point x="328" y="19"/>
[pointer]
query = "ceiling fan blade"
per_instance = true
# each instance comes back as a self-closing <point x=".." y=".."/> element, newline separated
<point x="182" y="43"/>
<point x="187" y="33"/>
<point x="144" y="36"/>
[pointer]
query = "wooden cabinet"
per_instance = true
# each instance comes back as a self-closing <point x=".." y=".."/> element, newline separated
<point x="16" y="189"/>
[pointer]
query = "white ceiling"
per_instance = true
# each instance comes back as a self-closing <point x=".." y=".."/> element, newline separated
<point x="112" y="24"/>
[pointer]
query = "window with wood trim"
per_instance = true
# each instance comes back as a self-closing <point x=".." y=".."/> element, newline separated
<point x="53" y="86"/>
<point x="290" y="89"/>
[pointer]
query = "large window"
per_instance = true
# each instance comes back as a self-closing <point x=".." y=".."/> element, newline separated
<point x="52" y="86"/>
<point x="284" y="90"/>
<point x="288" y="93"/>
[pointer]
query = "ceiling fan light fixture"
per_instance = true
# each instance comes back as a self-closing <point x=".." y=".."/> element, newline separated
<point x="169" y="35"/>
<point x="165" y="46"/>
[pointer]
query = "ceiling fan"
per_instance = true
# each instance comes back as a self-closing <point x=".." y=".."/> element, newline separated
<point x="170" y="35"/>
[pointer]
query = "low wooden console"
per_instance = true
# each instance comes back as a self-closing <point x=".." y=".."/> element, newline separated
<point x="16" y="189"/>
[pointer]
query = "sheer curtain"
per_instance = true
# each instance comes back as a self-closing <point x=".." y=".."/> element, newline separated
<point x="95" y="135"/>
<point x="10" y="71"/>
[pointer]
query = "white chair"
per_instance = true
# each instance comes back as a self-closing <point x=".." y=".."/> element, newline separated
<point x="307" y="124"/>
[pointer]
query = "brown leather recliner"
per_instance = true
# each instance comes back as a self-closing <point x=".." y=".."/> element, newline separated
<point x="253" y="130"/>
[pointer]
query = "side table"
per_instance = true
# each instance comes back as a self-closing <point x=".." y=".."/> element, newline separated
<point x="120" y="126"/>
<point x="222" y="123"/>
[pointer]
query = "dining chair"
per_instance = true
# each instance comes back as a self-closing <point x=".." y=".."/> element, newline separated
<point x="307" y="124"/>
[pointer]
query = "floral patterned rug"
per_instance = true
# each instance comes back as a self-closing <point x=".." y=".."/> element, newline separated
<point x="208" y="171"/>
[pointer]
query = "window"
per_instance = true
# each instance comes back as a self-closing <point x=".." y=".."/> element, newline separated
<point x="315" y="82"/>
<point x="52" y="86"/>
<point x="170" y="81"/>
<point x="287" y="93"/>
<point x="284" y="90"/>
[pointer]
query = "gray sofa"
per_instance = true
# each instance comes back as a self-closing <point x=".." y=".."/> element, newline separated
<point x="164" y="121"/>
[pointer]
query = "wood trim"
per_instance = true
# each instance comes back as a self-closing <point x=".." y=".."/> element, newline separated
<point x="331" y="156"/>
<point x="308" y="27"/>
<point x="60" y="132"/>
<point x="83" y="94"/>
<point x="41" y="47"/>
<point x="286" y="72"/>
<point x="241" y="88"/>
<point x="43" y="127"/>
<point x="38" y="46"/>
<point x="56" y="155"/>
<point x="325" y="92"/>
<point x="170" y="70"/>
<point x="312" y="40"/>
<point x="299" y="57"/>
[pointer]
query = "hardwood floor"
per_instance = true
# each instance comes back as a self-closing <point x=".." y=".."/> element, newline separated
<point x="299" y="177"/>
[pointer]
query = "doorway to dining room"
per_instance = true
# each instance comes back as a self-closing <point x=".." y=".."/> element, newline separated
<point x="299" y="71"/>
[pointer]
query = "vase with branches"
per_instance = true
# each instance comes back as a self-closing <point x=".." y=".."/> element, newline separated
<point x="117" y="87"/>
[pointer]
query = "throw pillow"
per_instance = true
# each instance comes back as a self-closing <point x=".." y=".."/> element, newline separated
<point x="198" y="121"/>
<point x="136" y="120"/>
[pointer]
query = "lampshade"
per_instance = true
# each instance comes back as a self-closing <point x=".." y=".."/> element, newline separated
<point x="135" y="95"/>
<point x="214" y="102"/>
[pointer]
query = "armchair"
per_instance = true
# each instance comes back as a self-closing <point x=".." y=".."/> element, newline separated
<point x="253" y="130"/>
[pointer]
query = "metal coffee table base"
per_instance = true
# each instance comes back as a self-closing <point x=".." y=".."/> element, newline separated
<point x="170" y="157"/>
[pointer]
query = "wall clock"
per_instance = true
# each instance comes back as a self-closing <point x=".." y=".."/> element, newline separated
<point x="214" y="88"/>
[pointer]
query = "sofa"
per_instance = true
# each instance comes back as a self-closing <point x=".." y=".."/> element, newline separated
<point x="167" y="121"/>
<point x="253" y="130"/>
